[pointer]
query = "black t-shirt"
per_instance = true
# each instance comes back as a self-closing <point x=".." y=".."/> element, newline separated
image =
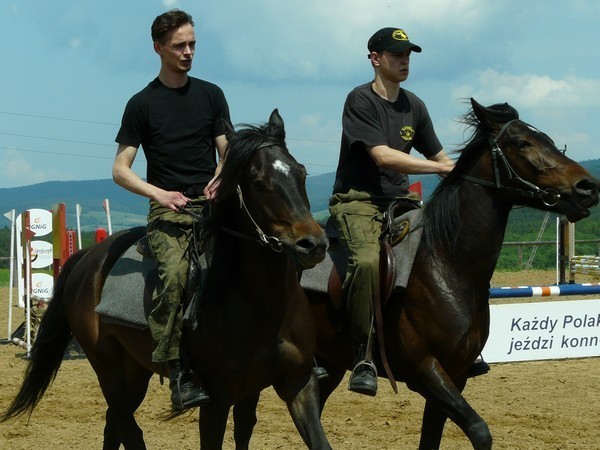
<point x="176" y="129"/>
<point x="369" y="120"/>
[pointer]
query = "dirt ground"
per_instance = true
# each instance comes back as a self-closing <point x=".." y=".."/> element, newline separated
<point x="528" y="405"/>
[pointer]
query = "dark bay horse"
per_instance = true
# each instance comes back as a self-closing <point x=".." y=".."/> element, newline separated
<point x="436" y="327"/>
<point x="255" y="328"/>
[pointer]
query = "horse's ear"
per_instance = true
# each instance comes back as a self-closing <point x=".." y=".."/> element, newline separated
<point x="484" y="117"/>
<point x="493" y="117"/>
<point x="276" y="126"/>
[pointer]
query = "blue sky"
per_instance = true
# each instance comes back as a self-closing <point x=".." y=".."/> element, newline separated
<point x="70" y="67"/>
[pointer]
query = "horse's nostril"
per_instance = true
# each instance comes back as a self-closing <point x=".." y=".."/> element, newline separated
<point x="308" y="243"/>
<point x="586" y="187"/>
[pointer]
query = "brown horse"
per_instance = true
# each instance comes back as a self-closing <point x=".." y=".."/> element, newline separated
<point x="437" y="325"/>
<point x="254" y="328"/>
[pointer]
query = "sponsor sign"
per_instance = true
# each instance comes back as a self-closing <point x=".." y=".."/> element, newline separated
<point x="40" y="222"/>
<point x="41" y="254"/>
<point x="42" y="285"/>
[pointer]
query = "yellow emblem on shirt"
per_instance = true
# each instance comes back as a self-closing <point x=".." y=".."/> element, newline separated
<point x="407" y="133"/>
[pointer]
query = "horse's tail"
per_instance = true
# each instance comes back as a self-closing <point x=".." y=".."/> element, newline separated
<point x="48" y="349"/>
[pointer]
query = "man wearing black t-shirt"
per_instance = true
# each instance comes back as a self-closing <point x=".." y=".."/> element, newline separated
<point x="180" y="123"/>
<point x="381" y="124"/>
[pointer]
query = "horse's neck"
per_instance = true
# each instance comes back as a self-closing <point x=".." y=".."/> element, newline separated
<point x="265" y="271"/>
<point x="483" y="220"/>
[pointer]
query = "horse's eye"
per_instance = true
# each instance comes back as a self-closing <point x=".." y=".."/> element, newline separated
<point x="260" y="186"/>
<point x="523" y="145"/>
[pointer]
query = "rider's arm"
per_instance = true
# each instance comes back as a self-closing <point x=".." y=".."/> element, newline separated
<point x="210" y="191"/>
<point x="388" y="158"/>
<point x="124" y="176"/>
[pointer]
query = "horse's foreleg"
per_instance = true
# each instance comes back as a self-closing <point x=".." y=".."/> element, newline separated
<point x="441" y="393"/>
<point x="244" y="420"/>
<point x="305" y="411"/>
<point x="329" y="384"/>
<point x="432" y="427"/>
<point x="213" y="421"/>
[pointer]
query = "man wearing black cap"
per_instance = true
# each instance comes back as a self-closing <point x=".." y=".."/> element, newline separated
<point x="381" y="123"/>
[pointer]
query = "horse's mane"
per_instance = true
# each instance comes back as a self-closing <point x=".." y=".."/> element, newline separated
<point x="241" y="146"/>
<point x="441" y="214"/>
<point x="222" y="251"/>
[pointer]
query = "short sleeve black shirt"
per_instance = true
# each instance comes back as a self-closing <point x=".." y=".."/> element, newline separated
<point x="176" y="129"/>
<point x="369" y="120"/>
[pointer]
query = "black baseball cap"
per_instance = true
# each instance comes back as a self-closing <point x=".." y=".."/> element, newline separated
<point x="392" y="40"/>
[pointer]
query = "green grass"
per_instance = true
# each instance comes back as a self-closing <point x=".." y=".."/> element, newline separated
<point x="4" y="275"/>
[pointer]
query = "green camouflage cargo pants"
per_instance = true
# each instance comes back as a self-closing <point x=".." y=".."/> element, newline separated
<point x="169" y="233"/>
<point x="358" y="218"/>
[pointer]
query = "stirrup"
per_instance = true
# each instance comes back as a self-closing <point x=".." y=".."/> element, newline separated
<point x="369" y="389"/>
<point x="364" y="362"/>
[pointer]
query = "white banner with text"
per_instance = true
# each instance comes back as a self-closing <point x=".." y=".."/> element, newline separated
<point x="543" y="330"/>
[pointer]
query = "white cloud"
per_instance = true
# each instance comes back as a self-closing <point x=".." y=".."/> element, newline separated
<point x="170" y="4"/>
<point x="75" y="43"/>
<point x="15" y="170"/>
<point x="533" y="91"/>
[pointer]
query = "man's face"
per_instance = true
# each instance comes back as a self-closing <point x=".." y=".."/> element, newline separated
<point x="177" y="51"/>
<point x="392" y="66"/>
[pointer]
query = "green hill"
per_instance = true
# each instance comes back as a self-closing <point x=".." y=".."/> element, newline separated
<point x="129" y="210"/>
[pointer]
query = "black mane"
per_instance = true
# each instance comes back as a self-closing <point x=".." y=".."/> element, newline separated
<point x="241" y="147"/>
<point x="221" y="247"/>
<point x="441" y="214"/>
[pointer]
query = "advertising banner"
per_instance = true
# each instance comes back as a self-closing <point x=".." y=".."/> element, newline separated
<point x="543" y="330"/>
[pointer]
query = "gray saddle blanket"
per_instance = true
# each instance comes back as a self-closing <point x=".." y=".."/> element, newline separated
<point x="316" y="279"/>
<point x="128" y="289"/>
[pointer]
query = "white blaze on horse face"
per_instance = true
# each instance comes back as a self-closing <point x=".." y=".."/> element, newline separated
<point x="282" y="167"/>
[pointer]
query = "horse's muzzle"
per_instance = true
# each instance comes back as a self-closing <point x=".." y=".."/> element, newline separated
<point x="308" y="251"/>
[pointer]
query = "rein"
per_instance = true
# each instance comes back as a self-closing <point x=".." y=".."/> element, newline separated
<point x="550" y="197"/>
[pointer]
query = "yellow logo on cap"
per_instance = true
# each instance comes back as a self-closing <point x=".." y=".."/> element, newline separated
<point x="407" y="133"/>
<point x="400" y="35"/>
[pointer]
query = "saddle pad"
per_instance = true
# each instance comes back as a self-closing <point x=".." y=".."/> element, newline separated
<point x="316" y="279"/>
<point x="127" y="293"/>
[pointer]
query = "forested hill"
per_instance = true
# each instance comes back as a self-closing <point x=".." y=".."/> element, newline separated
<point x="128" y="209"/>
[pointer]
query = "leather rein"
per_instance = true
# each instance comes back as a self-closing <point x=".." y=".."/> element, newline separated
<point x="550" y="197"/>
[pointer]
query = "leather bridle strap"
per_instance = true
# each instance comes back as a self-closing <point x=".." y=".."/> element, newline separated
<point x="550" y="197"/>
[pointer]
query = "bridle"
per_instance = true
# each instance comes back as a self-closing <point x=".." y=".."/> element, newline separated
<point x="270" y="241"/>
<point x="550" y="197"/>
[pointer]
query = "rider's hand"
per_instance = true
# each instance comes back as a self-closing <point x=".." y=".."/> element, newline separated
<point x="173" y="200"/>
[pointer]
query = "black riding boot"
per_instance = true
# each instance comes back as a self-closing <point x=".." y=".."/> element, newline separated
<point x="364" y="374"/>
<point x="184" y="393"/>
<point x="479" y="367"/>
<point x="320" y="371"/>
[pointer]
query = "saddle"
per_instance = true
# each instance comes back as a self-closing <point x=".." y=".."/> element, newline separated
<point x="394" y="230"/>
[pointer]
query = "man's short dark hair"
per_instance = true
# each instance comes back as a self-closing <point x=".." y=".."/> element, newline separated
<point x="168" y="21"/>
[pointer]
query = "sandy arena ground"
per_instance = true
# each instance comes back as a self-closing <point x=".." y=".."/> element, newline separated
<point x="530" y="405"/>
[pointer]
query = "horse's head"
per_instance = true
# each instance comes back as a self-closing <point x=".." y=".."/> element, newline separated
<point x="268" y="185"/>
<point x="527" y="167"/>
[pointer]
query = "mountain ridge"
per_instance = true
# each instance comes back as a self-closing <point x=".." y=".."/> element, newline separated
<point x="128" y="209"/>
